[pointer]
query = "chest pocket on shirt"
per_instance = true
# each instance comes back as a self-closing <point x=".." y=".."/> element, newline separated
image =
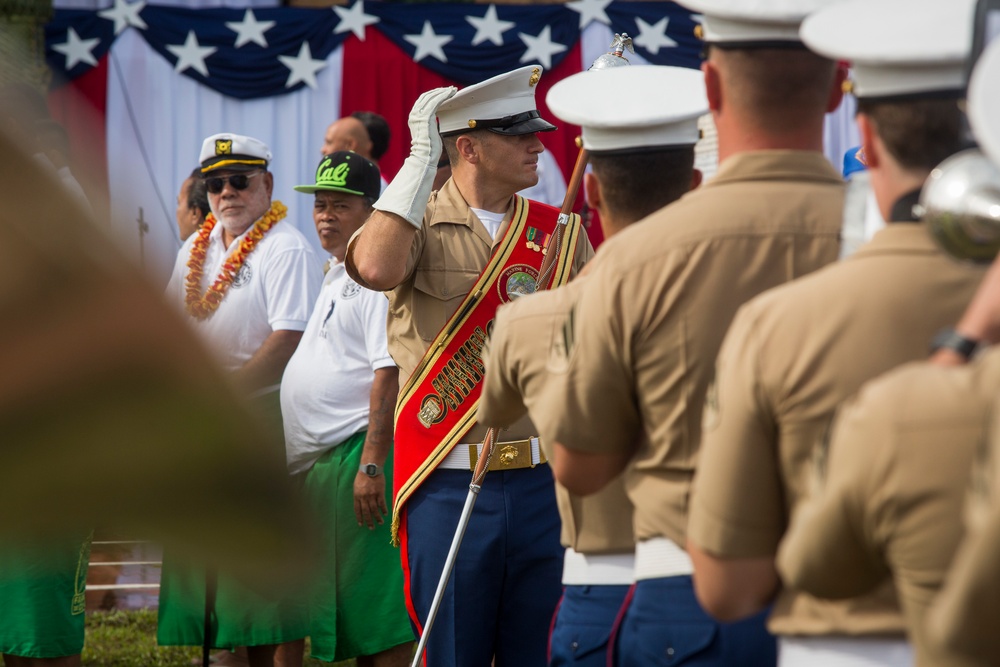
<point x="437" y="295"/>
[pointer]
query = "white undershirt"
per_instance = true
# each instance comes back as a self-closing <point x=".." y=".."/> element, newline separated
<point x="490" y="220"/>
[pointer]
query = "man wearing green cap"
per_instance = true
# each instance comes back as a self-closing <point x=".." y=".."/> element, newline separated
<point x="338" y="394"/>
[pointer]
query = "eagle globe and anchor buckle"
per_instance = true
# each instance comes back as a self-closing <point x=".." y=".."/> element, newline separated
<point x="510" y="455"/>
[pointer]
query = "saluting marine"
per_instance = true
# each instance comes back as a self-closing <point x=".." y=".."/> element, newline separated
<point x="450" y="259"/>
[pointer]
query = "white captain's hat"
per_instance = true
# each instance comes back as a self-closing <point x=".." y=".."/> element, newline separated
<point x="504" y="104"/>
<point x="752" y="23"/>
<point x="984" y="102"/>
<point x="235" y="152"/>
<point x="897" y="48"/>
<point x="630" y="109"/>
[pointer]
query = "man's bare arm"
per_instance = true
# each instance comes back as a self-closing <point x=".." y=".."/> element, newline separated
<point x="730" y="589"/>
<point x="267" y="364"/>
<point x="369" y="492"/>
<point x="584" y="473"/>
<point x="377" y="257"/>
<point x="981" y="320"/>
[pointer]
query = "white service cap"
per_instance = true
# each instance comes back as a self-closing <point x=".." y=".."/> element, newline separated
<point x="897" y="48"/>
<point x="984" y="102"/>
<point x="233" y="151"/>
<point x="752" y="23"/>
<point x="632" y="108"/>
<point x="504" y="104"/>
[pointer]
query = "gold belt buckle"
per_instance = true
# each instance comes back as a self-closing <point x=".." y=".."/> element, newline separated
<point x="508" y="455"/>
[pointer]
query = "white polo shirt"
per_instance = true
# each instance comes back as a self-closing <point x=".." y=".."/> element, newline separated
<point x="273" y="291"/>
<point x="326" y="389"/>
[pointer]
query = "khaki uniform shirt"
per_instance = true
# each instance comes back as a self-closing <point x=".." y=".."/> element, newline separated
<point x="791" y="356"/>
<point x="896" y="472"/>
<point x="962" y="623"/>
<point x="448" y="254"/>
<point x="651" y="320"/>
<point x="518" y="369"/>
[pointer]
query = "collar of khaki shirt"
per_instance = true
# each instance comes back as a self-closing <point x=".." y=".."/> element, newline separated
<point x="776" y="165"/>
<point x="450" y="207"/>
<point x="898" y="238"/>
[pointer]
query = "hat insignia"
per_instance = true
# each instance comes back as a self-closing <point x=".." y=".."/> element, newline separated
<point x="536" y="74"/>
<point x="223" y="146"/>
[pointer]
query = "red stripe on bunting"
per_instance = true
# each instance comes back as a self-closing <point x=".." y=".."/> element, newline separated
<point x="80" y="106"/>
<point x="381" y="77"/>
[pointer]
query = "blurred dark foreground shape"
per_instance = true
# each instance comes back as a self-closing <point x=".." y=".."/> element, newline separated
<point x="111" y="411"/>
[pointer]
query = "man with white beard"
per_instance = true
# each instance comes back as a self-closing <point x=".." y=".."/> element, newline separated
<point x="248" y="283"/>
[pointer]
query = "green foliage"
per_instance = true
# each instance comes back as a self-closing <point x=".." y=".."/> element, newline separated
<point x="128" y="639"/>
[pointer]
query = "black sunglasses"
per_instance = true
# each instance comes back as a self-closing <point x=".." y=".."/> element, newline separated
<point x="238" y="181"/>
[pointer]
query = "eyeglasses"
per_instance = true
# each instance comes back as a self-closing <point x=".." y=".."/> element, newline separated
<point x="238" y="181"/>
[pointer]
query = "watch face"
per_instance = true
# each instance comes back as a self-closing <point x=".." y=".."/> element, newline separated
<point x="370" y="469"/>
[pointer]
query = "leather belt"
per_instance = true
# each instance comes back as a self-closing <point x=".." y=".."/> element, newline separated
<point x="659" y="557"/>
<point x="598" y="569"/>
<point x="510" y="455"/>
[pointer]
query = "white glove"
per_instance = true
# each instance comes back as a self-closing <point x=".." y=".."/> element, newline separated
<point x="408" y="193"/>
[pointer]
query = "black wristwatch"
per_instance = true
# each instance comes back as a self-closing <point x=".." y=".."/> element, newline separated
<point x="949" y="339"/>
<point x="370" y="469"/>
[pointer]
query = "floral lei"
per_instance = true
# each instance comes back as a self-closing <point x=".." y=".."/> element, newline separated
<point x="200" y="306"/>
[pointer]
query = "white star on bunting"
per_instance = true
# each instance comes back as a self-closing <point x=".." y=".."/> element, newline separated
<point x="489" y="27"/>
<point x="540" y="48"/>
<point x="653" y="37"/>
<point x="354" y="19"/>
<point x="77" y="50"/>
<point x="590" y="10"/>
<point x="124" y="15"/>
<point x="250" y="29"/>
<point x="191" y="54"/>
<point x="303" y="67"/>
<point x="428" y="43"/>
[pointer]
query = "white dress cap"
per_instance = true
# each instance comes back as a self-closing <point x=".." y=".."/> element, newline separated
<point x="897" y="48"/>
<point x="984" y="102"/>
<point x="504" y="104"/>
<point x="233" y="151"/>
<point x="636" y="107"/>
<point x="746" y="23"/>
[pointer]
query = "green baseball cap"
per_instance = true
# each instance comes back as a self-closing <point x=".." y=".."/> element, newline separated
<point x="345" y="171"/>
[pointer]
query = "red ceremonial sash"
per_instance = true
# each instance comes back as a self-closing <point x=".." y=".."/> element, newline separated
<point x="437" y="405"/>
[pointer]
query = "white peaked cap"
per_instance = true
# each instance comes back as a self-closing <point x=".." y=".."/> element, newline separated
<point x="897" y="48"/>
<point x="504" y="104"/>
<point x="233" y="151"/>
<point x="623" y="108"/>
<point x="984" y="102"/>
<point x="746" y="22"/>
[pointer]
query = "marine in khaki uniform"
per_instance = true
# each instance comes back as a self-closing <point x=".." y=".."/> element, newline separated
<point x="640" y="125"/>
<point x="450" y="258"/>
<point x="894" y="478"/>
<point x="649" y="324"/>
<point x="793" y="354"/>
<point x="961" y="626"/>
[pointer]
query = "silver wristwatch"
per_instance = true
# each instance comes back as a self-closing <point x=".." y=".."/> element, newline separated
<point x="370" y="469"/>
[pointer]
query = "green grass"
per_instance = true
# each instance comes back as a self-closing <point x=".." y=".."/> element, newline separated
<point x="128" y="639"/>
